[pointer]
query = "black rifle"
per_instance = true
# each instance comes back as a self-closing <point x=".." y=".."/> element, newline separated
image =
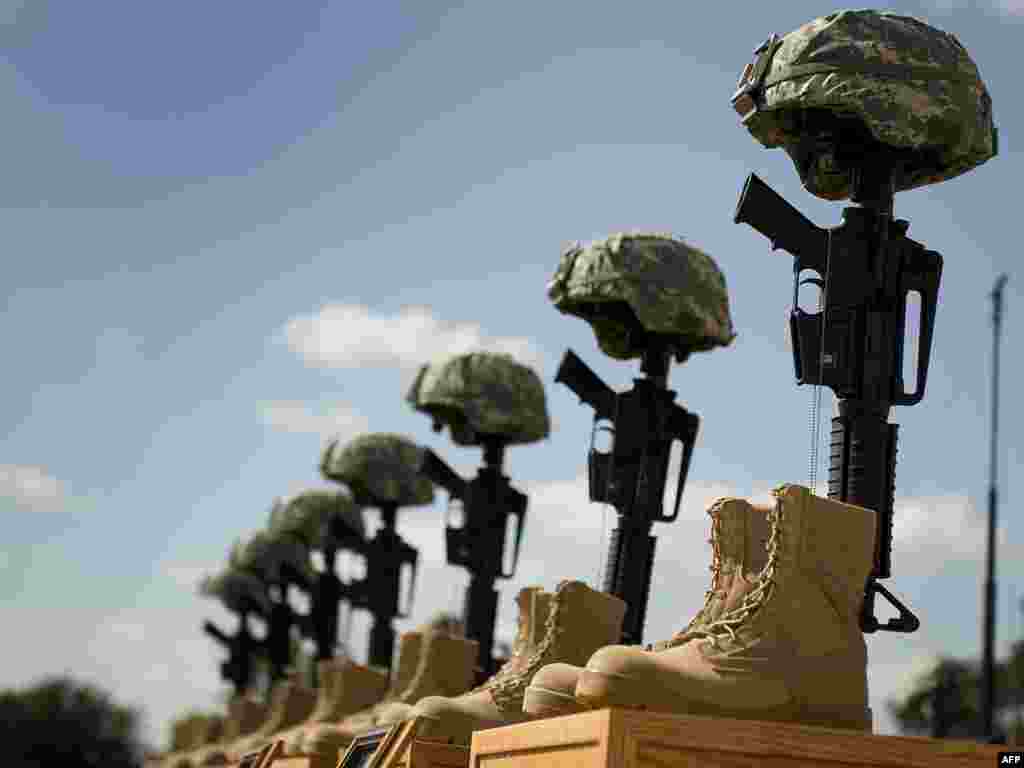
<point x="867" y="267"/>
<point x="632" y="475"/>
<point x="241" y="648"/>
<point x="328" y="590"/>
<point x="479" y="544"/>
<point x="380" y="591"/>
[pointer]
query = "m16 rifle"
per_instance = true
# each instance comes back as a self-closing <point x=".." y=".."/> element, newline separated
<point x="329" y="590"/>
<point x="241" y="648"/>
<point x="326" y="590"/>
<point x="488" y="501"/>
<point x="631" y="476"/>
<point x="380" y="591"/>
<point x="381" y="470"/>
<point x="867" y="268"/>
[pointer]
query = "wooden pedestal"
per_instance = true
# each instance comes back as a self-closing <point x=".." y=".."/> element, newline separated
<point x="303" y="761"/>
<point x="261" y="758"/>
<point x="618" y="738"/>
<point x="400" y="748"/>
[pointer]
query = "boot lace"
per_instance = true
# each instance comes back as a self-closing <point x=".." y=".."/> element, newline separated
<point x="715" y="591"/>
<point x="757" y="598"/>
<point x="511" y="665"/>
<point x="507" y="692"/>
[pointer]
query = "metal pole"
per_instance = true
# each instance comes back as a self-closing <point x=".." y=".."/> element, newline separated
<point x="988" y="664"/>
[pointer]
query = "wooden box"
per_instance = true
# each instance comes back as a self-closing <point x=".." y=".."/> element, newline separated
<point x="398" y="747"/>
<point x="618" y="738"/>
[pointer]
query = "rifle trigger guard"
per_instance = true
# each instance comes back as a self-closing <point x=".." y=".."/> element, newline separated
<point x="905" y="622"/>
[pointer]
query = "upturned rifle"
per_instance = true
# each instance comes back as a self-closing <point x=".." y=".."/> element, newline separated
<point x="380" y="591"/>
<point x="631" y="476"/>
<point x="866" y="268"/>
<point x="241" y="648"/>
<point x="478" y="545"/>
<point x="327" y="589"/>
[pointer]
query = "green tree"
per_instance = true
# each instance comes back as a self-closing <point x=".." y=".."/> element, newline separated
<point x="63" y="722"/>
<point x="946" y="701"/>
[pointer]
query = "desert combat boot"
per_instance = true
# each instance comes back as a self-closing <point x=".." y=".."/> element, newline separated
<point x="345" y="688"/>
<point x="289" y="704"/>
<point x="738" y="551"/>
<point x="244" y="716"/>
<point x="790" y="649"/>
<point x="579" y="621"/>
<point x="190" y="737"/>
<point x="445" y="667"/>
<point x="409" y="646"/>
<point x="533" y="606"/>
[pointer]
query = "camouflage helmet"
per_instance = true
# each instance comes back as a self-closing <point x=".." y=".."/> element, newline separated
<point x="672" y="289"/>
<point x="379" y="468"/>
<point x="238" y="590"/>
<point x="482" y="393"/>
<point x="308" y="515"/>
<point x="888" y="78"/>
<point x="270" y="555"/>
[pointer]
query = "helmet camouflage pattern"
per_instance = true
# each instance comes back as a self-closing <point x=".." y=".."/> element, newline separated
<point x="482" y="393"/>
<point x="269" y="555"/>
<point x="672" y="288"/>
<point x="911" y="87"/>
<point x="379" y="468"/>
<point x="238" y="590"/>
<point x="308" y="515"/>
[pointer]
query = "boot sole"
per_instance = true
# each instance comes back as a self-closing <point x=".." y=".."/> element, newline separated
<point x="596" y="690"/>
<point x="548" y="703"/>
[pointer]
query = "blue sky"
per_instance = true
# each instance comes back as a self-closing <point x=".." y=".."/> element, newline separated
<point x="233" y="230"/>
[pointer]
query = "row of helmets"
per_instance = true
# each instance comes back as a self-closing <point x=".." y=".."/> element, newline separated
<point x="890" y="78"/>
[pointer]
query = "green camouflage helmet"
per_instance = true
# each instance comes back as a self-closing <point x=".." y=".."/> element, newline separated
<point x="671" y="287"/>
<point x="266" y="554"/>
<point x="911" y="86"/>
<point x="309" y="514"/>
<point x="379" y="468"/>
<point x="237" y="590"/>
<point x="482" y="393"/>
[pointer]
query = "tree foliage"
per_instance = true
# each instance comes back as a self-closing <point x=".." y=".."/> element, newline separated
<point x="63" y="722"/>
<point x="946" y="701"/>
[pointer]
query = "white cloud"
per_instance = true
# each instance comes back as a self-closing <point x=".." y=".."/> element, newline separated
<point x="9" y="10"/>
<point x="351" y="336"/>
<point x="186" y="576"/>
<point x="339" y="420"/>
<point x="30" y="487"/>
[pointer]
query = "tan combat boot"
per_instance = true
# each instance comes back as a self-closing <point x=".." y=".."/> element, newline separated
<point x="445" y="663"/>
<point x="289" y="704"/>
<point x="345" y="688"/>
<point x="447" y="667"/>
<point x="738" y="550"/>
<point x="790" y="649"/>
<point x="409" y="647"/>
<point x="580" y="620"/>
<point x="244" y="717"/>
<point x="189" y="737"/>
